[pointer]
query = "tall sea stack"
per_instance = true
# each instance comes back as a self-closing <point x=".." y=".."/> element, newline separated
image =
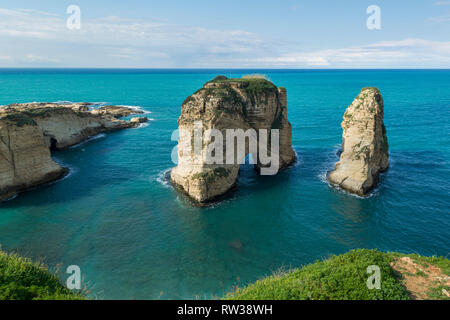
<point x="222" y="104"/>
<point x="364" y="145"/>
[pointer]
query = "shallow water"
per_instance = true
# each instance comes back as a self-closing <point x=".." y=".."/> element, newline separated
<point x="134" y="237"/>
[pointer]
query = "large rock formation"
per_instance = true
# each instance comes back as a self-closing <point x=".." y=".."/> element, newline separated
<point x="364" y="145"/>
<point x="223" y="104"/>
<point x="29" y="131"/>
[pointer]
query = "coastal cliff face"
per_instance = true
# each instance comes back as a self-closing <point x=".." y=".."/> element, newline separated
<point x="224" y="104"/>
<point x="364" y="145"/>
<point x="29" y="131"/>
<point x="25" y="160"/>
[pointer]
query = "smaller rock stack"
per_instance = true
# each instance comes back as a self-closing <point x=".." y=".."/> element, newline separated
<point x="364" y="145"/>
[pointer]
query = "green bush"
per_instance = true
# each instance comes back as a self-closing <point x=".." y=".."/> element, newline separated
<point x="211" y="175"/>
<point x="21" y="279"/>
<point x="19" y="119"/>
<point x="342" y="277"/>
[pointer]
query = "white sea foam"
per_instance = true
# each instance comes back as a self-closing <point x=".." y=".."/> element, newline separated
<point x="299" y="159"/>
<point x="63" y="102"/>
<point x="163" y="178"/>
<point x="72" y="169"/>
<point x="12" y="198"/>
<point x="142" y="125"/>
<point x="332" y="158"/>
<point x="137" y="108"/>
<point x="98" y="136"/>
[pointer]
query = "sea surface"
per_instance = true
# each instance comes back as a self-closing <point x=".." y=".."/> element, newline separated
<point x="135" y="237"/>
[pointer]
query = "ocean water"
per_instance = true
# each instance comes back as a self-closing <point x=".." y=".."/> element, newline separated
<point x="135" y="237"/>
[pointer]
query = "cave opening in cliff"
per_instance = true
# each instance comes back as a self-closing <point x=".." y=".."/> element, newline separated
<point x="53" y="143"/>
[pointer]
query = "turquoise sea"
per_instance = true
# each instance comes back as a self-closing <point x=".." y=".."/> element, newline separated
<point x="134" y="237"/>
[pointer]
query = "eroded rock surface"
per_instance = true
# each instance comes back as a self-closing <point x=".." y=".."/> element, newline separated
<point x="228" y="104"/>
<point x="116" y="111"/>
<point x="364" y="145"/>
<point x="28" y="132"/>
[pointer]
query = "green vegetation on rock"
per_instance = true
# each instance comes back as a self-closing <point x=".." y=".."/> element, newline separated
<point x="187" y="100"/>
<point x="18" y="119"/>
<point x="212" y="175"/>
<point x="252" y="85"/>
<point x="225" y="93"/>
<point x="341" y="277"/>
<point x="373" y="89"/>
<point x="45" y="112"/>
<point x="21" y="279"/>
<point x="25" y="117"/>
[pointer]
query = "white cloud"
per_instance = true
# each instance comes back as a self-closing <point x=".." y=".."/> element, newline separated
<point x="440" y="19"/>
<point x="442" y="3"/>
<point x="32" y="58"/>
<point x="7" y="58"/>
<point x="406" y="53"/>
<point x="34" y="38"/>
<point x="110" y="40"/>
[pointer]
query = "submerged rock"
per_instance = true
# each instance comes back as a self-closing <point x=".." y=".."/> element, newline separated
<point x="29" y="131"/>
<point x="364" y="145"/>
<point x="224" y="104"/>
<point x="236" y="244"/>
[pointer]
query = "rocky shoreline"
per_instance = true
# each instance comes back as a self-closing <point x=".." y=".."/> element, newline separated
<point x="29" y="131"/>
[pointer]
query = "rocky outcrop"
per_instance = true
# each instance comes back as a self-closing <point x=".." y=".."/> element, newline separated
<point x="364" y="145"/>
<point x="229" y="104"/>
<point x="29" y="131"/>
<point x="25" y="160"/>
<point x="116" y="111"/>
<point x="139" y="120"/>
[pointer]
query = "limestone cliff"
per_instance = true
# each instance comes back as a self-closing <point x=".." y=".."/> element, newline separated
<point x="29" y="131"/>
<point x="364" y="144"/>
<point x="116" y="111"/>
<point x="25" y="159"/>
<point x="222" y="104"/>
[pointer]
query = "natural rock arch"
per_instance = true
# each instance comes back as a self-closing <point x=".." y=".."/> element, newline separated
<point x="249" y="104"/>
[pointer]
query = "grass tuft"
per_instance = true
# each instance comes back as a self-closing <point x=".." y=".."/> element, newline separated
<point x="21" y="279"/>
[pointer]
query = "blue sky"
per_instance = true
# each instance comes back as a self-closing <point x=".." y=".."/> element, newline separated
<point x="226" y="34"/>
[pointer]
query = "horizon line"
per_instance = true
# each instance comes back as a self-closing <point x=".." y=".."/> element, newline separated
<point x="209" y="68"/>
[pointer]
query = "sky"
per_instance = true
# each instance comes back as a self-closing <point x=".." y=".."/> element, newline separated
<point x="225" y="34"/>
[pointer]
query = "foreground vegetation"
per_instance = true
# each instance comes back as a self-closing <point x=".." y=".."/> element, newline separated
<point x="344" y="277"/>
<point x="21" y="279"/>
<point x="341" y="277"/>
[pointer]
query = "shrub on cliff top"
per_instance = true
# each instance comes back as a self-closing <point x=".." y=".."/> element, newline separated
<point x="255" y="76"/>
<point x="218" y="78"/>
<point x="46" y="112"/>
<point x="21" y="279"/>
<point x="18" y="119"/>
<point x="342" y="277"/>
